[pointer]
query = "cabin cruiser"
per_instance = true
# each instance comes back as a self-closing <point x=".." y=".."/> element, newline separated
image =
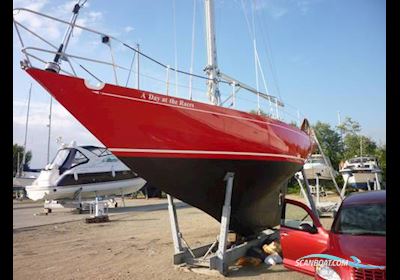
<point x="20" y="181"/>
<point x="87" y="171"/>
<point x="361" y="172"/>
<point x="27" y="177"/>
<point x="316" y="165"/>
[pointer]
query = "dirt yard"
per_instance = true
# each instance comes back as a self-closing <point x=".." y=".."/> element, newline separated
<point x="133" y="245"/>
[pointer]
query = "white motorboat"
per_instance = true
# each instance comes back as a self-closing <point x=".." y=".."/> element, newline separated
<point x="88" y="171"/>
<point x="26" y="178"/>
<point x="315" y="166"/>
<point x="361" y="171"/>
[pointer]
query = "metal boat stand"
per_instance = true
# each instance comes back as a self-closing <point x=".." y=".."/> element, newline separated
<point x="208" y="256"/>
<point x="76" y="202"/>
<point x="314" y="135"/>
<point x="343" y="192"/>
<point x="319" y="208"/>
<point x="307" y="192"/>
<point x="49" y="205"/>
<point x="123" y="198"/>
<point x="327" y="208"/>
<point x="376" y="184"/>
<point x="98" y="212"/>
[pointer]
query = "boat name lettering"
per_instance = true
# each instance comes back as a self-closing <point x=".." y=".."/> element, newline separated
<point x="166" y="100"/>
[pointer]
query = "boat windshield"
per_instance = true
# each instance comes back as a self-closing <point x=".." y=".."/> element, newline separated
<point x="100" y="152"/>
<point x="359" y="160"/>
<point x="69" y="158"/>
<point x="361" y="220"/>
<point x="60" y="157"/>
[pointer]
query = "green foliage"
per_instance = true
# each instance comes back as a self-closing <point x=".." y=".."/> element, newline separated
<point x="293" y="186"/>
<point x="381" y="156"/>
<point x="339" y="148"/>
<point x="349" y="127"/>
<point x="17" y="149"/>
<point x="341" y="143"/>
<point x="353" y="144"/>
<point x="330" y="141"/>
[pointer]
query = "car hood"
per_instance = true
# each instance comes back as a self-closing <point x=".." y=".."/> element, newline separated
<point x="369" y="249"/>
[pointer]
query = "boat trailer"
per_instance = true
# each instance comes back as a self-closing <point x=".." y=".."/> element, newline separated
<point x="214" y="256"/>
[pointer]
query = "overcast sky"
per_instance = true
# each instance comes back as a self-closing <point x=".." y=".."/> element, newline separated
<point x="318" y="56"/>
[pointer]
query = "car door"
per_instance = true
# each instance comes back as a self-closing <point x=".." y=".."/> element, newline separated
<point x="301" y="234"/>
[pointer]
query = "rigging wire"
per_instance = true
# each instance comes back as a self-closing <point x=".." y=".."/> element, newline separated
<point x="166" y="66"/>
<point x="268" y="51"/>
<point x="192" y="54"/>
<point x="255" y="63"/>
<point x="130" y="69"/>
<point x="111" y="37"/>
<point x="259" y="65"/>
<point x="260" y="22"/>
<point x="251" y="34"/>
<point x="247" y="19"/>
<point x="175" y="47"/>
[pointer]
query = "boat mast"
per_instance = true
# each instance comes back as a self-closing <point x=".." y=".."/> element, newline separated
<point x="212" y="67"/>
<point x="49" y="125"/>
<point x="26" y="128"/>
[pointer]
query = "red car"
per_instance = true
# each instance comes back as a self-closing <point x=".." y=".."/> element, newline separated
<point x="358" y="234"/>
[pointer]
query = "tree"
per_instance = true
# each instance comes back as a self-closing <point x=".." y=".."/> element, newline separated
<point x="349" y="127"/>
<point x="17" y="149"/>
<point x="381" y="155"/>
<point x="353" y="144"/>
<point x="330" y="141"/>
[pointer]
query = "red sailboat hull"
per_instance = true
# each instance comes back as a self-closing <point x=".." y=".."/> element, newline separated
<point x="185" y="148"/>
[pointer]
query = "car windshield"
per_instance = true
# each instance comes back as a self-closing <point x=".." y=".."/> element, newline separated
<point x="367" y="219"/>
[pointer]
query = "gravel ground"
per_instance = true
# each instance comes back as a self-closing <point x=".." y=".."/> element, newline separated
<point x="135" y="244"/>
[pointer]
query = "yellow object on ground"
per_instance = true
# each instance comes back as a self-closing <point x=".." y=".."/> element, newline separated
<point x="273" y="247"/>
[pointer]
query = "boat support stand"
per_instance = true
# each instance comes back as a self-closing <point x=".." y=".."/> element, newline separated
<point x="326" y="208"/>
<point x="376" y="184"/>
<point x="214" y="256"/>
<point x="306" y="192"/>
